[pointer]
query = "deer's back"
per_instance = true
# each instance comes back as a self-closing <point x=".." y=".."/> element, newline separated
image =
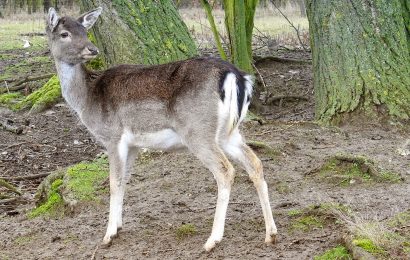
<point x="166" y="82"/>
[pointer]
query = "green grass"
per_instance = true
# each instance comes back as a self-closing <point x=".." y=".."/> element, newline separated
<point x="337" y="253"/>
<point x="307" y="223"/>
<point x="11" y="38"/>
<point x="316" y="216"/>
<point x="268" y="23"/>
<point x="185" y="230"/>
<point x="390" y="238"/>
<point x="346" y="171"/>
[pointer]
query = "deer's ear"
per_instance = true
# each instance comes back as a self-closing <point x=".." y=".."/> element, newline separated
<point x="88" y="19"/>
<point x="52" y="19"/>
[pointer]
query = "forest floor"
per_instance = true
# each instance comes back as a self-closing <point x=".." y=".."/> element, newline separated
<point x="321" y="198"/>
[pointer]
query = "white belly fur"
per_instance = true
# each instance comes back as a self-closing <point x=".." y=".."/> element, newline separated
<point x="166" y="139"/>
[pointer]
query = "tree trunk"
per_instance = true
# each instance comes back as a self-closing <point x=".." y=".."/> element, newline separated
<point x="239" y="16"/>
<point x="46" y="5"/>
<point x="361" y="59"/>
<point x="143" y="31"/>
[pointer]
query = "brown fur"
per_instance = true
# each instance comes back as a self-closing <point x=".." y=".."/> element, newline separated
<point x="125" y="83"/>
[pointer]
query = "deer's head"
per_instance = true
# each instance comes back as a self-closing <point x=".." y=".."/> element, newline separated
<point x="68" y="39"/>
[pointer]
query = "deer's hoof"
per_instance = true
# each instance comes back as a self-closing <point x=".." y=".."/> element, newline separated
<point x="270" y="239"/>
<point x="210" y="244"/>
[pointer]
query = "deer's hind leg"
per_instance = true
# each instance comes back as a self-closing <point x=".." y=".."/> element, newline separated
<point x="237" y="149"/>
<point x="212" y="156"/>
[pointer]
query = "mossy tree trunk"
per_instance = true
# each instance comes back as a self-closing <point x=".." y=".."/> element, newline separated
<point x="239" y="16"/>
<point x="361" y="59"/>
<point x="140" y="31"/>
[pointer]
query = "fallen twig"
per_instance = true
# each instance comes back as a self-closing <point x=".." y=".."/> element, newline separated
<point x="95" y="251"/>
<point x="265" y="89"/>
<point x="9" y="186"/>
<point x="27" y="177"/>
<point x="280" y="98"/>
<point x="259" y="59"/>
<point x="18" y="85"/>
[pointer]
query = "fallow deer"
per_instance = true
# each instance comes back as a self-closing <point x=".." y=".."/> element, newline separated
<point x="196" y="104"/>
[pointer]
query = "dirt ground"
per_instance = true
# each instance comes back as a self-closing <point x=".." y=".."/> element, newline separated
<point x="172" y="189"/>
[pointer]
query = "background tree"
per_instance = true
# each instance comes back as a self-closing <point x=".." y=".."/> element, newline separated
<point x="239" y="16"/>
<point x="361" y="59"/>
<point x="143" y="31"/>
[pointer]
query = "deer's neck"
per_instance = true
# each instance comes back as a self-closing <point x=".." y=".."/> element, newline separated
<point x="73" y="79"/>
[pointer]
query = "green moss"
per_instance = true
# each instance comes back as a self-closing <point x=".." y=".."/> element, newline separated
<point x="368" y="245"/>
<point x="337" y="253"/>
<point x="8" y="98"/>
<point x="81" y="182"/>
<point x="185" y="230"/>
<point x="307" y="223"/>
<point x="42" y="98"/>
<point x="84" y="179"/>
<point x="53" y="202"/>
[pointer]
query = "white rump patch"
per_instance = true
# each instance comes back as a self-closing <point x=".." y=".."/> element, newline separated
<point x="228" y="109"/>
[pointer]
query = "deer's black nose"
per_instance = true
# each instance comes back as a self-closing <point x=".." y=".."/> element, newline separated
<point x="94" y="51"/>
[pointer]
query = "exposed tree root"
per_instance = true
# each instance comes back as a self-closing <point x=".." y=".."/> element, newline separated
<point x="9" y="186"/>
<point x="19" y="84"/>
<point x="357" y="252"/>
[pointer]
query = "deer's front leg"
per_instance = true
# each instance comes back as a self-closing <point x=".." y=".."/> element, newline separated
<point x="117" y="187"/>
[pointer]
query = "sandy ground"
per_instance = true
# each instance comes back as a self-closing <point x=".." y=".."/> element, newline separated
<point x="172" y="189"/>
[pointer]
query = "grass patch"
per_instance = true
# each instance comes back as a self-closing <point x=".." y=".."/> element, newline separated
<point x="387" y="239"/>
<point x="316" y="216"/>
<point x="185" y="230"/>
<point x="346" y="170"/>
<point x="337" y="253"/>
<point x="11" y="30"/>
<point x="307" y="223"/>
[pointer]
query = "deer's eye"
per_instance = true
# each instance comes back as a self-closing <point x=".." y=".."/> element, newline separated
<point x="64" y="35"/>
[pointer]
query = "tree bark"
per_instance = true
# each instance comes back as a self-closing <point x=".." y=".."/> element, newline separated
<point x="361" y="59"/>
<point x="140" y="31"/>
<point x="239" y="16"/>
